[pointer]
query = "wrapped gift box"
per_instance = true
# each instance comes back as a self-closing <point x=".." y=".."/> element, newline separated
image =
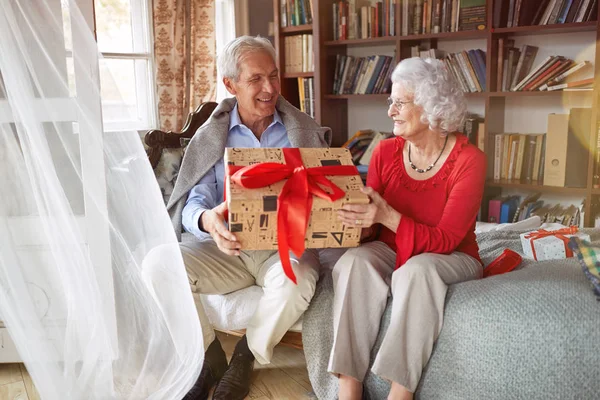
<point x="253" y="212"/>
<point x="543" y="245"/>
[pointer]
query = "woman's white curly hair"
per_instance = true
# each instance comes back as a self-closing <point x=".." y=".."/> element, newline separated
<point x="435" y="90"/>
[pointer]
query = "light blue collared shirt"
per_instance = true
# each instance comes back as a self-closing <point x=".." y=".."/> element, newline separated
<point x="208" y="192"/>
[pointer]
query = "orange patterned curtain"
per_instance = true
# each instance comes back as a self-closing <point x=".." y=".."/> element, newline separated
<point x="184" y="50"/>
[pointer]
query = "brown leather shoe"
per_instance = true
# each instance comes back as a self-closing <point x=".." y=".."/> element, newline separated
<point x="235" y="384"/>
<point x="215" y="365"/>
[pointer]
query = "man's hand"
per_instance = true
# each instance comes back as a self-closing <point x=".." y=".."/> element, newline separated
<point x="213" y="222"/>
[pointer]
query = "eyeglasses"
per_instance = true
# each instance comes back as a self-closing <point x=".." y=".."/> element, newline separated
<point x="400" y="105"/>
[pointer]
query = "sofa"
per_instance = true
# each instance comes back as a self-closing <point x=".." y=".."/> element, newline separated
<point x="532" y="333"/>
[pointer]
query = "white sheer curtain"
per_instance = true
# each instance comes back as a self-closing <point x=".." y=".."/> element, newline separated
<point x="225" y="32"/>
<point x="93" y="288"/>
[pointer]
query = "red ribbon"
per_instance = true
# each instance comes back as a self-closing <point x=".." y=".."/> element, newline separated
<point x="294" y="203"/>
<point x="559" y="233"/>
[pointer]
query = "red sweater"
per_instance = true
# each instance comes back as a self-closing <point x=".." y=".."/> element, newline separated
<point x="439" y="213"/>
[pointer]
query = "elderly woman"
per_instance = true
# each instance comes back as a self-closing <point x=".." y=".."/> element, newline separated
<point x="425" y="186"/>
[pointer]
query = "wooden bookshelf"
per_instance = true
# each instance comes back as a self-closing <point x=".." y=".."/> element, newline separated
<point x="298" y="74"/>
<point x="362" y="42"/>
<point x="538" y="188"/>
<point x="332" y="110"/>
<point x="462" y="35"/>
<point x="547" y="29"/>
<point x="379" y="96"/>
<point x="294" y="30"/>
<point x="545" y="93"/>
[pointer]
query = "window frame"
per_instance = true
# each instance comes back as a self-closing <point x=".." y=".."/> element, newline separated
<point x="144" y="72"/>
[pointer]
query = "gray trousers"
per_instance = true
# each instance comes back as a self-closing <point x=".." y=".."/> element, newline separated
<point x="362" y="280"/>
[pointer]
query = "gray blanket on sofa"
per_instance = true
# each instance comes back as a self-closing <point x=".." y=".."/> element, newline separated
<point x="533" y="333"/>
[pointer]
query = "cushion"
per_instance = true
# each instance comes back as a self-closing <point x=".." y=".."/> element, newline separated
<point x="167" y="169"/>
<point x="588" y="256"/>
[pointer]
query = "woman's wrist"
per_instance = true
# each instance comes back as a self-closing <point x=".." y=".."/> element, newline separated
<point x="391" y="219"/>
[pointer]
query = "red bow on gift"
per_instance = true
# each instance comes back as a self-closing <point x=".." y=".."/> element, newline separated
<point x="294" y="203"/>
<point x="559" y="233"/>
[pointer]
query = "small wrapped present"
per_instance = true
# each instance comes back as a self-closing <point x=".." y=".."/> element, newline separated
<point x="287" y="199"/>
<point x="543" y="245"/>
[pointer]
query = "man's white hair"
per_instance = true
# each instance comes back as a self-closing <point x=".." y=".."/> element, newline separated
<point x="435" y="90"/>
<point x="234" y="51"/>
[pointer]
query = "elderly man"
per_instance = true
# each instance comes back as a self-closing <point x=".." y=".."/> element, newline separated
<point x="257" y="117"/>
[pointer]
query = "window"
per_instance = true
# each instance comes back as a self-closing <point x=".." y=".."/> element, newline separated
<point x="123" y="31"/>
<point x="224" y="32"/>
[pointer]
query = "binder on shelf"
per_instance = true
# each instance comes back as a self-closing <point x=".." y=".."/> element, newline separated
<point x="556" y="150"/>
<point x="580" y="124"/>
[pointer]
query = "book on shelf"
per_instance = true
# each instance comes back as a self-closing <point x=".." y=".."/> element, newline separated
<point x="472" y="129"/>
<point x="574" y="84"/>
<point x="511" y="209"/>
<point x="571" y="70"/>
<point x="518" y="158"/>
<point x="516" y="71"/>
<point x="363" y="19"/>
<point x="471" y="15"/>
<point x="551" y="159"/>
<point x="377" y="137"/>
<point x="306" y="93"/>
<point x="526" y="56"/>
<point x="358" y="135"/>
<point x="514" y="13"/>
<point x="362" y="144"/>
<point x="438" y="16"/>
<point x="467" y="66"/>
<point x="295" y="12"/>
<point x="548" y="68"/>
<point x="556" y="213"/>
<point x="362" y="75"/>
<point x="526" y="205"/>
<point x="502" y="210"/>
<point x="299" y="53"/>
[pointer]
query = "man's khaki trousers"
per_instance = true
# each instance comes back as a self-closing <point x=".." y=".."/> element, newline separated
<point x="211" y="271"/>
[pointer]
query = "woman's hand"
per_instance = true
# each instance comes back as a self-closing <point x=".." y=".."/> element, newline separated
<point x="378" y="211"/>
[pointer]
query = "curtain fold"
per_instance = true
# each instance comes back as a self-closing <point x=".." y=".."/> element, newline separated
<point x="184" y="51"/>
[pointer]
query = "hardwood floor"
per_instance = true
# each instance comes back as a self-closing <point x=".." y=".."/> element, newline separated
<point x="285" y="378"/>
<point x="16" y="384"/>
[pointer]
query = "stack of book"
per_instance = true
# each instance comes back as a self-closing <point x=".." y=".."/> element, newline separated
<point x="551" y="159"/>
<point x="515" y="72"/>
<point x="306" y="92"/>
<point x="435" y="16"/>
<point x="519" y="158"/>
<point x="474" y="129"/>
<point x="299" y="53"/>
<point x="361" y="146"/>
<point x="511" y="209"/>
<point x="295" y="12"/>
<point x="511" y="13"/>
<point x="467" y="67"/>
<point x="364" y="19"/>
<point x="362" y="75"/>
